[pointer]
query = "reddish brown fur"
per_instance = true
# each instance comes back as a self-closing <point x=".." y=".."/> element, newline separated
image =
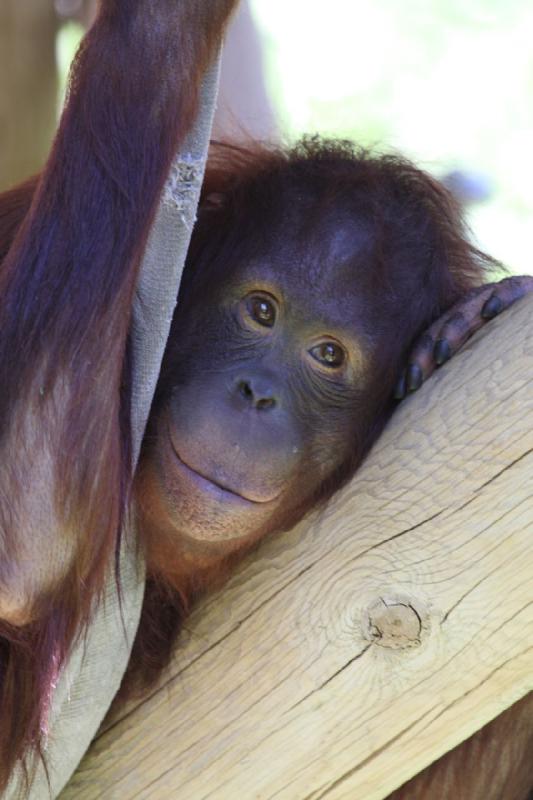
<point x="66" y="297"/>
<point x="243" y="190"/>
<point x="85" y="230"/>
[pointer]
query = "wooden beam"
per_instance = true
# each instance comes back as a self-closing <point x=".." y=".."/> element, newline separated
<point x="353" y="651"/>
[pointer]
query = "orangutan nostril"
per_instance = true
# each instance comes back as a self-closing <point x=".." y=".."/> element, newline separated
<point x="245" y="389"/>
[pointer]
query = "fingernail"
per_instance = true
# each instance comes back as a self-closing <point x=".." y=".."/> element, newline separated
<point x="414" y="377"/>
<point x="441" y="352"/>
<point x="492" y="307"/>
<point x="400" y="389"/>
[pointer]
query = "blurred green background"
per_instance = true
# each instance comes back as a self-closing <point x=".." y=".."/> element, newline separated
<point x="448" y="83"/>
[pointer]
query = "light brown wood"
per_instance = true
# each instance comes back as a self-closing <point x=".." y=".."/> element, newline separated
<point x="351" y="652"/>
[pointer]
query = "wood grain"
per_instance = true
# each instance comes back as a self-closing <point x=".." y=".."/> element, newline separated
<point x="351" y="652"/>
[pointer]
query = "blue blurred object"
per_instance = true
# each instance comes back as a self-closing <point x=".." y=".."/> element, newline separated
<point x="469" y="186"/>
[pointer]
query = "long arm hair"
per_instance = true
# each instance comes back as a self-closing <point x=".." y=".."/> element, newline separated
<point x="66" y="288"/>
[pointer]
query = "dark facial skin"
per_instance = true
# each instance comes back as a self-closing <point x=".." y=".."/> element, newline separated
<point x="266" y="375"/>
<point x="299" y="302"/>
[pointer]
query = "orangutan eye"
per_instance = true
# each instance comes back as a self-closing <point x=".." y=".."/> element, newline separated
<point x="262" y="310"/>
<point x="329" y="354"/>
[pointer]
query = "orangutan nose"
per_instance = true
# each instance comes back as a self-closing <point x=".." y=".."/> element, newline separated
<point x="257" y="392"/>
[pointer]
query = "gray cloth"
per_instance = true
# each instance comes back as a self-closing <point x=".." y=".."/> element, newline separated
<point x="96" y="666"/>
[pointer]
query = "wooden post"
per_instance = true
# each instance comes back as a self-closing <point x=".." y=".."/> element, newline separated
<point x="351" y="652"/>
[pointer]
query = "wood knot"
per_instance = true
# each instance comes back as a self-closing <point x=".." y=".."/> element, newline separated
<point x="394" y="622"/>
